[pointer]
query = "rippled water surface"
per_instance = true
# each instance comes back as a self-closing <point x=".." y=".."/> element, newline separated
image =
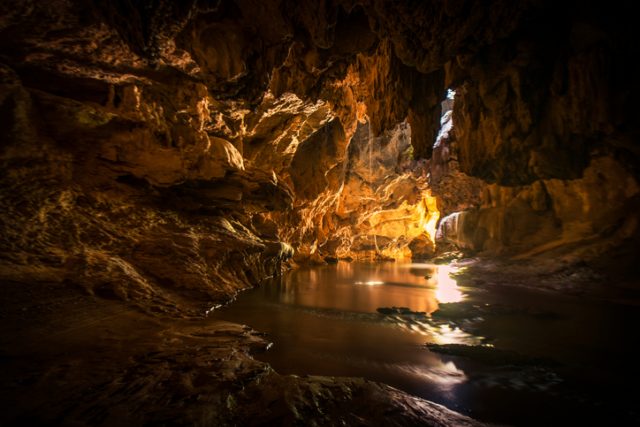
<point x="325" y="321"/>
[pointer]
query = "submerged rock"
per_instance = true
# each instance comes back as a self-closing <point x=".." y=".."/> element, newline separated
<point x="467" y="310"/>
<point x="489" y="355"/>
<point x="457" y="311"/>
<point x="400" y="311"/>
<point x="504" y="368"/>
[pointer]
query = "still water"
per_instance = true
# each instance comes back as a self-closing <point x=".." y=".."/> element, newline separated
<point x="577" y="353"/>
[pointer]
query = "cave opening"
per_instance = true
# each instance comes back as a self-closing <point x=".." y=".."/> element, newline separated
<point x="353" y="212"/>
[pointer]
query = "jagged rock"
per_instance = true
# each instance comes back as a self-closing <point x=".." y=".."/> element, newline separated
<point x="549" y="214"/>
<point x="421" y="248"/>
<point x="279" y="250"/>
<point x="400" y="311"/>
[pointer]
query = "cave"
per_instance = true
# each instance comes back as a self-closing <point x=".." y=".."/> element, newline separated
<point x="319" y="212"/>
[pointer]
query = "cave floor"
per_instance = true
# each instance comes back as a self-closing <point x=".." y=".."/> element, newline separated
<point x="72" y="359"/>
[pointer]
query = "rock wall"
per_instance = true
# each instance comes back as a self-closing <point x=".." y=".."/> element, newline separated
<point x="595" y="212"/>
<point x="90" y="199"/>
<point x="159" y="153"/>
<point x="175" y="146"/>
<point x="378" y="201"/>
<point x="546" y="118"/>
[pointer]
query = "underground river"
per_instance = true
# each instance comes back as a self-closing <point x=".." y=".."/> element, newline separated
<point x="525" y="357"/>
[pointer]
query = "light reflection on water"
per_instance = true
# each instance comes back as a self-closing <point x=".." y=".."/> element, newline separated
<point x="445" y="374"/>
<point x="370" y="283"/>
<point x="446" y="286"/>
<point x="321" y="319"/>
<point x="431" y="283"/>
<point x="324" y="321"/>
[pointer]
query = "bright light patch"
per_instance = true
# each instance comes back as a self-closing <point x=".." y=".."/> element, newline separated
<point x="431" y="215"/>
<point x="446" y="334"/>
<point x="428" y="215"/>
<point x="445" y="374"/>
<point x="451" y="94"/>
<point x="370" y="283"/>
<point x="446" y="287"/>
<point x="415" y="265"/>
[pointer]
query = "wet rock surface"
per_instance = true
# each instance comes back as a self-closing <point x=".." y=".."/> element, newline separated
<point x="400" y="311"/>
<point x="501" y="352"/>
<point x="505" y="369"/>
<point x="489" y="355"/>
<point x="462" y="310"/>
<point x="81" y="360"/>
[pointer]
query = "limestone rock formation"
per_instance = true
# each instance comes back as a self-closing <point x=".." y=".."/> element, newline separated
<point x="552" y="213"/>
<point x="166" y="155"/>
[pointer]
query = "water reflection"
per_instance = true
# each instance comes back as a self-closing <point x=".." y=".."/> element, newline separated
<point x="446" y="333"/>
<point x="362" y="287"/>
<point x="325" y="321"/>
<point x="445" y="374"/>
<point x="446" y="286"/>
<point x="358" y="287"/>
<point x="439" y="277"/>
<point x="371" y="283"/>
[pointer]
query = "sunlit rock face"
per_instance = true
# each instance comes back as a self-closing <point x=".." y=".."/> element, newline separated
<point x="355" y="194"/>
<point x="202" y="134"/>
<point x="378" y="201"/>
<point x="148" y="157"/>
<point x="549" y="214"/>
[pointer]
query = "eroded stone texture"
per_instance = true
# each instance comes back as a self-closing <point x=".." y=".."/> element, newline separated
<point x="373" y="202"/>
<point x="169" y="154"/>
<point x="103" y="364"/>
<point x="550" y="214"/>
<point x="539" y="116"/>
